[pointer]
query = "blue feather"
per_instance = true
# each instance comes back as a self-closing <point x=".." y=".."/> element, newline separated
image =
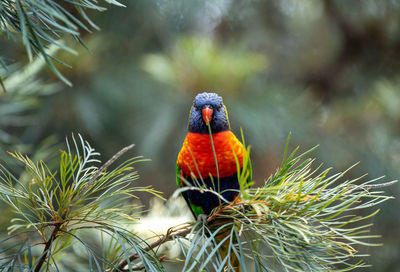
<point x="220" y="120"/>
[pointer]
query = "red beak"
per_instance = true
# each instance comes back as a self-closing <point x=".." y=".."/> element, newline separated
<point x="207" y="115"/>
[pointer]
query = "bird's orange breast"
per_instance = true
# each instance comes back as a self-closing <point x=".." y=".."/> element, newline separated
<point x="197" y="156"/>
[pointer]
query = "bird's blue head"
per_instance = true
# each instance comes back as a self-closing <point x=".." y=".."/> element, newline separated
<point x="208" y="108"/>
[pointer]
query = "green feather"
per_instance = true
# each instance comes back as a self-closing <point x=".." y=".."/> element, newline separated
<point x="178" y="176"/>
<point x="196" y="210"/>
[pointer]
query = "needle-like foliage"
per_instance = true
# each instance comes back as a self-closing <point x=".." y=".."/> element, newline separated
<point x="55" y="209"/>
<point x="40" y="23"/>
<point x="21" y="95"/>
<point x="302" y="219"/>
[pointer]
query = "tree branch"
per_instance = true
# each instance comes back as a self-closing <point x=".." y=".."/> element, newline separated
<point x="163" y="238"/>
<point x="103" y="168"/>
<point x="48" y="244"/>
<point x="182" y="232"/>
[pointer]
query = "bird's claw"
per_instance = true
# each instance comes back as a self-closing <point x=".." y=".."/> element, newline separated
<point x="202" y="218"/>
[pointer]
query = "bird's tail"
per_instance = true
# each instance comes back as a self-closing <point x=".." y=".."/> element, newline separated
<point x="225" y="249"/>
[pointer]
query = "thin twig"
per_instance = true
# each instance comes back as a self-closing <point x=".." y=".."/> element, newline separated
<point x="163" y="238"/>
<point x="48" y="244"/>
<point x="170" y="234"/>
<point x="103" y="168"/>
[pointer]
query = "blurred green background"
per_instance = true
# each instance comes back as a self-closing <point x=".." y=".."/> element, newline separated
<point x="327" y="71"/>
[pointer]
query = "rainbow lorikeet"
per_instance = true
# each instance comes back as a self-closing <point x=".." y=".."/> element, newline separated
<point x="210" y="164"/>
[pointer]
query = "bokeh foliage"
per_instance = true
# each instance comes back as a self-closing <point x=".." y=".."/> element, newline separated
<point x="41" y="23"/>
<point x="330" y="75"/>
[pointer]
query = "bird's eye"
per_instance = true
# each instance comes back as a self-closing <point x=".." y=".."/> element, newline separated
<point x="219" y="107"/>
<point x="195" y="107"/>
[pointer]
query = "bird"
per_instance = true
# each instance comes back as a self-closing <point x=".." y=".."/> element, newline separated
<point x="210" y="158"/>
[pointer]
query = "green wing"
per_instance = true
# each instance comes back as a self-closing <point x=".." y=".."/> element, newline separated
<point x="196" y="210"/>
<point x="178" y="176"/>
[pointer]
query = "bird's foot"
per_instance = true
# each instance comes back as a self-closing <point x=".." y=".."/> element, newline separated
<point x="202" y="218"/>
